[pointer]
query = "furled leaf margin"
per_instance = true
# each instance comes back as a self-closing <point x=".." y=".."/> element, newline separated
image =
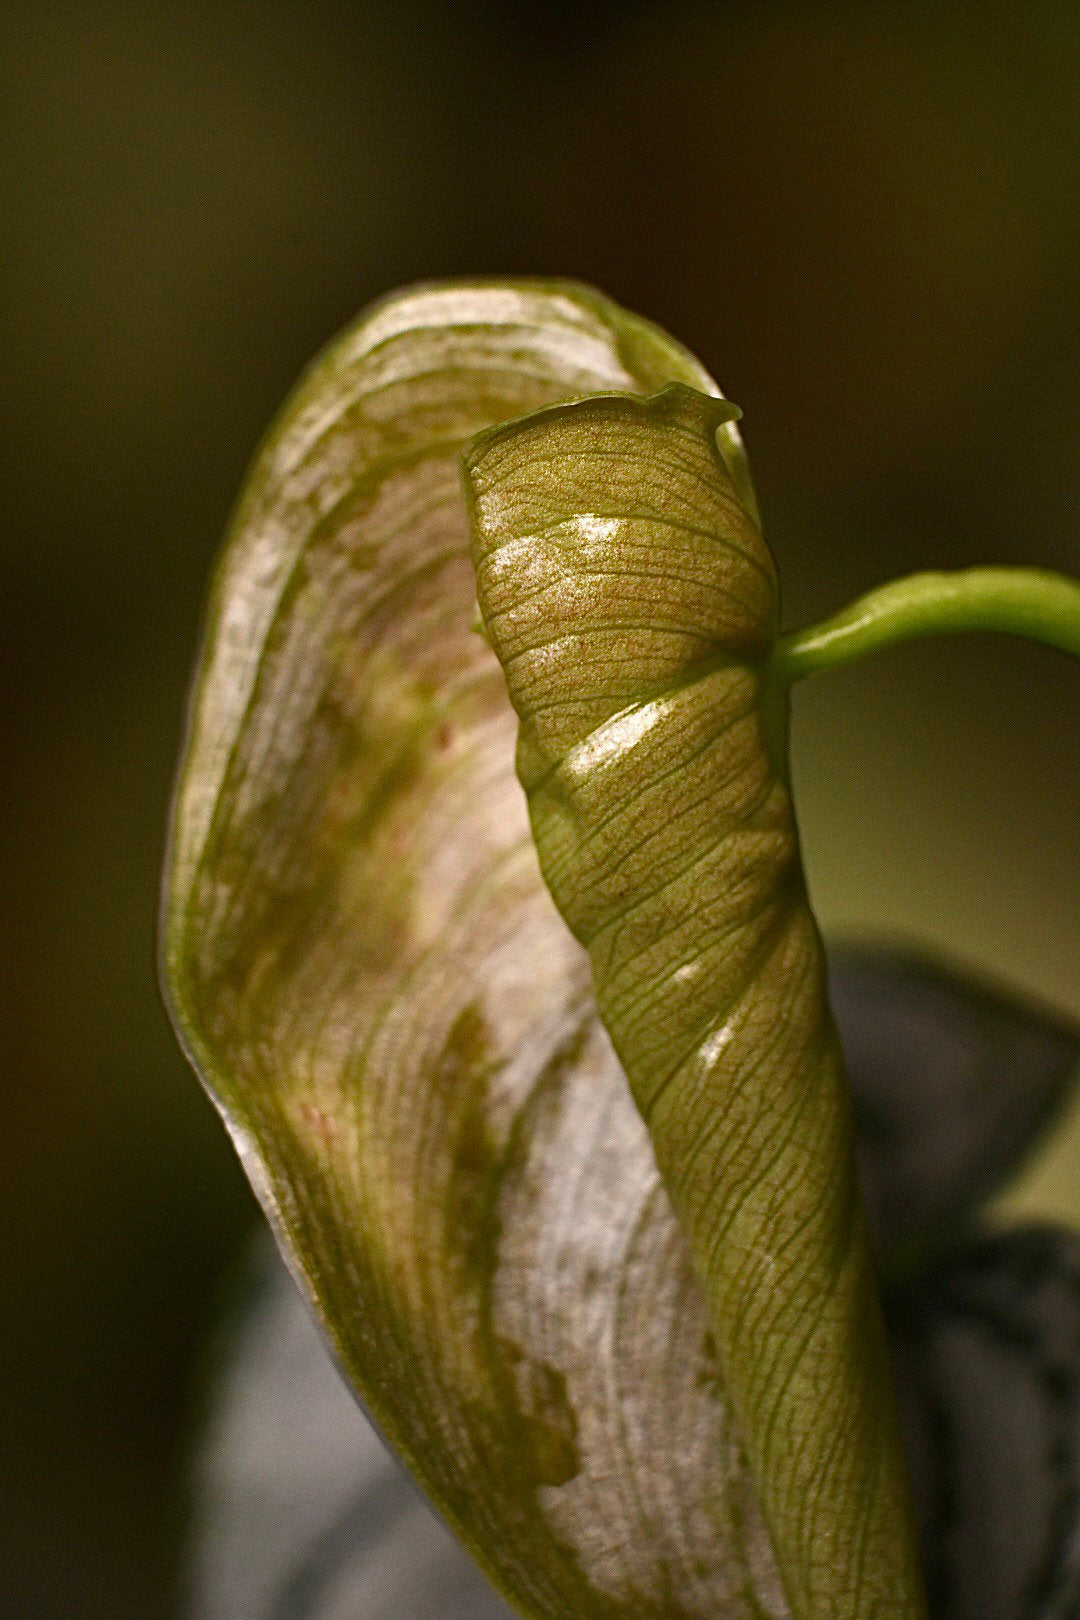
<point x="633" y="604"/>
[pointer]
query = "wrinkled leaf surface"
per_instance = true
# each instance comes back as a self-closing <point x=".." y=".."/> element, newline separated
<point x="397" y="1027"/>
<point x="632" y="602"/>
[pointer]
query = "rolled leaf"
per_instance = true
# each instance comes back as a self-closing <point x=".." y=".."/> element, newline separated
<point x="626" y="588"/>
<point x="399" y="1030"/>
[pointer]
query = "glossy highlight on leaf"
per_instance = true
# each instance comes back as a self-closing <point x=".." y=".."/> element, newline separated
<point x="632" y="602"/>
<point x="400" y="1032"/>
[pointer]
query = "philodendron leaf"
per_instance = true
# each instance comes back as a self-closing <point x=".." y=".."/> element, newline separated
<point x="398" y="1028"/>
<point x="632" y="602"/>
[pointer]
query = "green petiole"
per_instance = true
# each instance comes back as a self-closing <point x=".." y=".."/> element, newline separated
<point x="1029" y="602"/>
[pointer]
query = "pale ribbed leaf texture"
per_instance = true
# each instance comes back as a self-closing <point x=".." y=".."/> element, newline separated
<point x="400" y="1031"/>
<point x="631" y="600"/>
<point x="299" y="1513"/>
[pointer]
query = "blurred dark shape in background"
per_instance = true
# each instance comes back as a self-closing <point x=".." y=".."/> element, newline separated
<point x="865" y="220"/>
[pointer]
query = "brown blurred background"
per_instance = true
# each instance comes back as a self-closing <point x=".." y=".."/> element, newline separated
<point x="864" y="218"/>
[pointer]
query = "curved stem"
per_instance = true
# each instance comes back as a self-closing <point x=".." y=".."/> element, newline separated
<point x="1019" y="601"/>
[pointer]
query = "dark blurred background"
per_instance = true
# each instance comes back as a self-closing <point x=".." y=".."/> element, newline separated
<point x="864" y="218"/>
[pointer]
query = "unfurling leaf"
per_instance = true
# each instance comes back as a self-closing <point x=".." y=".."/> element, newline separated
<point x="632" y="602"/>
<point x="398" y="1028"/>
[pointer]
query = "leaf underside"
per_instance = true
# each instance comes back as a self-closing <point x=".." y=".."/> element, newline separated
<point x="397" y="1027"/>
<point x="632" y="603"/>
